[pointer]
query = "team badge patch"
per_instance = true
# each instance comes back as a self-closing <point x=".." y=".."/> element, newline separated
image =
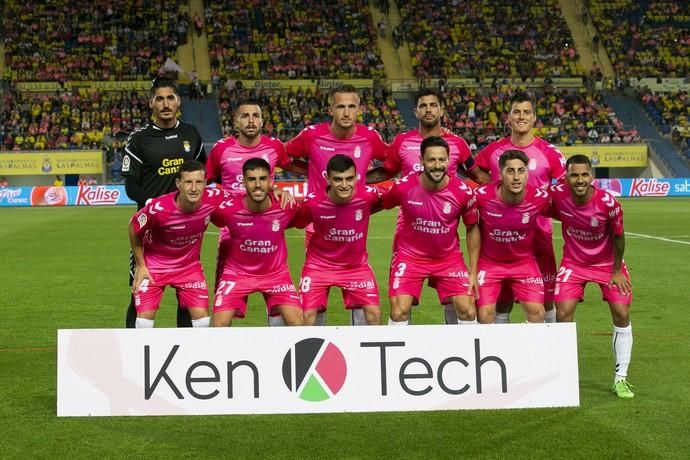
<point x="187" y="146"/>
<point x="358" y="151"/>
<point x="142" y="220"/>
<point x="525" y="217"/>
<point x="446" y="208"/>
<point x="275" y="225"/>
<point x="125" y="163"/>
<point x="594" y="222"/>
<point x="358" y="215"/>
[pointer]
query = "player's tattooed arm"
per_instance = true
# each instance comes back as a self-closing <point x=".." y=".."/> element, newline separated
<point x="378" y="174"/>
<point x="618" y="279"/>
<point x="141" y="274"/>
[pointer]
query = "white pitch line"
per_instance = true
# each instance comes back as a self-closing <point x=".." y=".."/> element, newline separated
<point x="660" y="238"/>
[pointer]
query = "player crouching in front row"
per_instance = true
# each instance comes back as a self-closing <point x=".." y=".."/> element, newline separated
<point x="594" y="243"/>
<point x="256" y="258"/>
<point x="166" y="237"/>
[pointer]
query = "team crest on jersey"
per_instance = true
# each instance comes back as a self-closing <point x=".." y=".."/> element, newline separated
<point x="187" y="146"/>
<point x="594" y="222"/>
<point x="532" y="165"/>
<point x="525" y="217"/>
<point x="275" y="225"/>
<point x="142" y="220"/>
<point x="358" y="215"/>
<point x="446" y="208"/>
<point x="358" y="151"/>
<point x="125" y="163"/>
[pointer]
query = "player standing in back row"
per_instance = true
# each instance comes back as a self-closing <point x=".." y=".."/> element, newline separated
<point x="320" y="142"/>
<point x="403" y="155"/>
<point x="153" y="156"/>
<point x="226" y="160"/>
<point x="546" y="163"/>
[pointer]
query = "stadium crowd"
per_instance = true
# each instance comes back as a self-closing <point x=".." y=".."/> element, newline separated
<point x="79" y="120"/>
<point x="57" y="40"/>
<point x="300" y="42"/>
<point x="645" y="39"/>
<point x="477" y="39"/>
<point x="287" y="112"/>
<point x="564" y="117"/>
<point x="670" y="112"/>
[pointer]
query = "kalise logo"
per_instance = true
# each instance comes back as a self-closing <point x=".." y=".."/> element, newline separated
<point x="94" y="196"/>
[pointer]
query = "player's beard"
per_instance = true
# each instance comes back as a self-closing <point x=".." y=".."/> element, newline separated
<point x="429" y="173"/>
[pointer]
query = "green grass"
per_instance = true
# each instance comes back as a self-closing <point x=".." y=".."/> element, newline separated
<point x="67" y="268"/>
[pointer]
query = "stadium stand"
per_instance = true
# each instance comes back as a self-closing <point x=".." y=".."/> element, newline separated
<point x="564" y="117"/>
<point x="286" y="112"/>
<point x="83" y="120"/>
<point x="57" y="40"/>
<point x="645" y="39"/>
<point x="306" y="39"/>
<point x="670" y="112"/>
<point x="465" y="38"/>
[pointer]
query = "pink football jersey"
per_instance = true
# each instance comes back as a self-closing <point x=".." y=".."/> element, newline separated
<point x="429" y="227"/>
<point x="317" y="144"/>
<point x="340" y="230"/>
<point x="257" y="239"/>
<point x="404" y="154"/>
<point x="588" y="230"/>
<point x="227" y="156"/>
<point x="508" y="230"/>
<point x="172" y="238"/>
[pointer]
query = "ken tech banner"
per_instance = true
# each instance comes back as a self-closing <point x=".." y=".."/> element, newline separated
<point x="319" y="369"/>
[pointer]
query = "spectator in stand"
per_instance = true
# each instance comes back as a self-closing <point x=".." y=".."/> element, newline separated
<point x="82" y="181"/>
<point x="3" y="182"/>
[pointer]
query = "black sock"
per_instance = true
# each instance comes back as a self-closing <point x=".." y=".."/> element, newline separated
<point x="183" y="317"/>
<point x="131" y="319"/>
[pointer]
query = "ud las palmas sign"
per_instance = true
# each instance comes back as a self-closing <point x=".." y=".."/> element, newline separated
<point x="259" y="370"/>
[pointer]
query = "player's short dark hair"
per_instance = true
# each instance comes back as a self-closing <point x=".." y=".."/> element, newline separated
<point x="512" y="155"/>
<point x="341" y="89"/>
<point x="578" y="159"/>
<point x="521" y="96"/>
<point x="255" y="163"/>
<point x="163" y="82"/>
<point x="340" y="163"/>
<point x="434" y="141"/>
<point x="427" y="92"/>
<point x="190" y="166"/>
<point x="248" y="101"/>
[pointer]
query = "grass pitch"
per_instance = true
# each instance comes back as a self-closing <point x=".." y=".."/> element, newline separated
<point x="67" y="268"/>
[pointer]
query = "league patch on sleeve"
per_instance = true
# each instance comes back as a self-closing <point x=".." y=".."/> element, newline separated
<point x="125" y="163"/>
<point x="142" y="219"/>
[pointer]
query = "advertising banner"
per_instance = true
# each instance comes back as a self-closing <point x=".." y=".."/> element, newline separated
<point x="51" y="162"/>
<point x="38" y="86"/>
<point x="278" y="84"/>
<point x="261" y="370"/>
<point x="126" y="85"/>
<point x="361" y="83"/>
<point x="610" y="155"/>
<point x="646" y="187"/>
<point x="48" y="195"/>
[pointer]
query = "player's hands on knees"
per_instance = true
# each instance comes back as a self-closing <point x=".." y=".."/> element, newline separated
<point x="621" y="282"/>
<point x="473" y="288"/>
<point x="285" y="197"/>
<point x="142" y="279"/>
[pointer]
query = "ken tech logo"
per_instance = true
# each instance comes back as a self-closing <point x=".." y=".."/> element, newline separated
<point x="314" y="369"/>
